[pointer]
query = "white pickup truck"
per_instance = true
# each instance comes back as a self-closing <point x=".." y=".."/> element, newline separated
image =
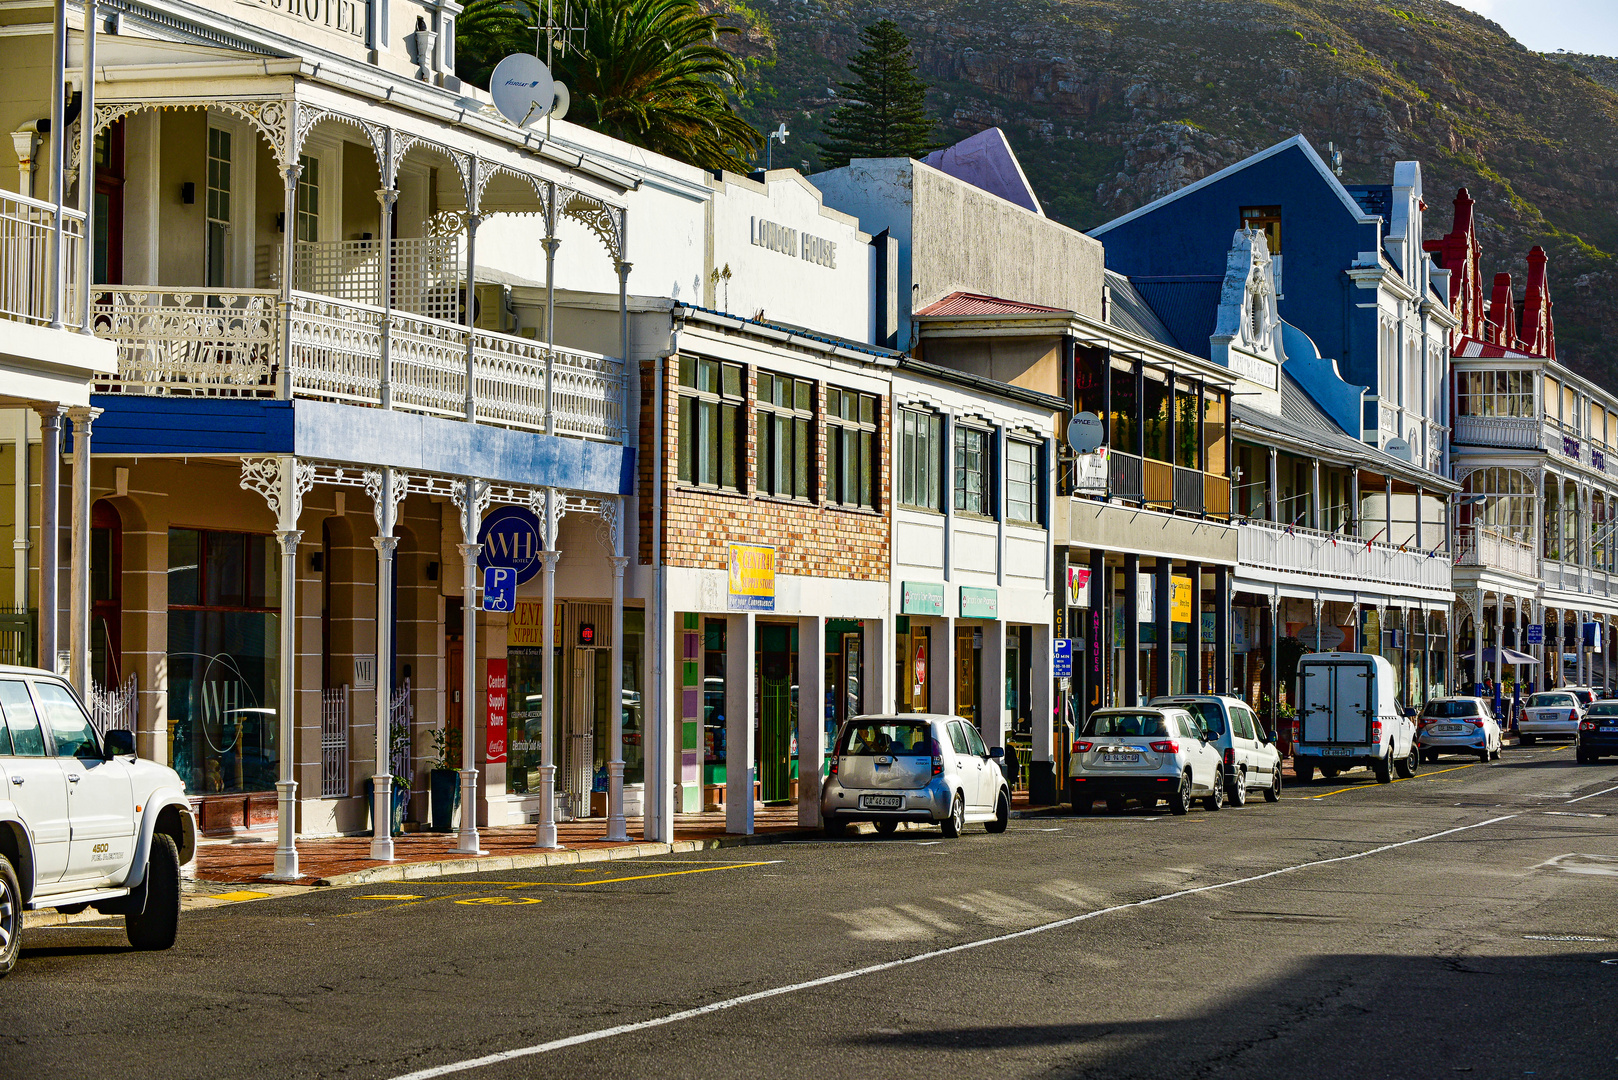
<point x="1349" y="714"/>
<point x="83" y="823"/>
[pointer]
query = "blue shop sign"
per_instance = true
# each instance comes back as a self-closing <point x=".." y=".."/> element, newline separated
<point x="510" y="537"/>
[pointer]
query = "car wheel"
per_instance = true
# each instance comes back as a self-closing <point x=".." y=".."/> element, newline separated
<point x="1273" y="792"/>
<point x="1526" y="740"/>
<point x="1180" y="801"/>
<point x="1484" y="755"/>
<point x="1406" y="766"/>
<point x="156" y="927"/>
<point x="1304" y="771"/>
<point x="957" y="817"/>
<point x="1215" y="799"/>
<point x="1383" y="767"/>
<point x="833" y="825"/>
<point x="10" y="916"/>
<point x="887" y="827"/>
<point x="1497" y="749"/>
<point x="1002" y="815"/>
<point x="1082" y="805"/>
<point x="1328" y="774"/>
<point x="1237" y="795"/>
<point x="1115" y="804"/>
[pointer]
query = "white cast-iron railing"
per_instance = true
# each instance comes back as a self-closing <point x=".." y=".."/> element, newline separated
<point x="1269" y="546"/>
<point x="1570" y="577"/>
<point x="227" y="343"/>
<point x="1507" y="432"/>
<point x="114" y="708"/>
<point x="426" y="273"/>
<point x="401" y="717"/>
<point x="1491" y="549"/>
<point x="26" y="226"/>
<point x="334" y="742"/>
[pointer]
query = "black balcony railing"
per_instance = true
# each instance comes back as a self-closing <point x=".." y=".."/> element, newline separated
<point x="1188" y="497"/>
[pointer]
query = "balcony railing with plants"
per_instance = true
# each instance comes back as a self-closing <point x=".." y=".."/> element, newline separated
<point x="230" y="343"/>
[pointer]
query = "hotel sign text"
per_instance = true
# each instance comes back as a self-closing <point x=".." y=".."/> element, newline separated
<point x="346" y="17"/>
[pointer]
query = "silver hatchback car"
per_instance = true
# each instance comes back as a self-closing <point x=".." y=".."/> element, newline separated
<point x="914" y="767"/>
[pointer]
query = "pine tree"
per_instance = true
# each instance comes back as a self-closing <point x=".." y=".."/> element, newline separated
<point x="884" y="112"/>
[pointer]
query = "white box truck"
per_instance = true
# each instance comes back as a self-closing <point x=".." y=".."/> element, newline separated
<point x="1349" y="714"/>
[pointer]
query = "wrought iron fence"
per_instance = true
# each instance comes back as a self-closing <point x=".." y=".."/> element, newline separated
<point x="334" y="742"/>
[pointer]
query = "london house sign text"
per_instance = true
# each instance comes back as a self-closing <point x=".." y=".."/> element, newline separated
<point x="815" y="249"/>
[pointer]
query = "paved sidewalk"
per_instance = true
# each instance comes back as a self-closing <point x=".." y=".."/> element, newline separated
<point x="346" y="860"/>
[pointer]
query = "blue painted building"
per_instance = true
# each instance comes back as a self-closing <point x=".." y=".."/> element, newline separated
<point x="1349" y="270"/>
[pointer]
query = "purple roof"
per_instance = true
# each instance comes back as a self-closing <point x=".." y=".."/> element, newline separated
<point x="985" y="160"/>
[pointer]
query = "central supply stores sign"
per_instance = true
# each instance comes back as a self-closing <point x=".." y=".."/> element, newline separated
<point x="752" y="577"/>
<point x="526" y="627"/>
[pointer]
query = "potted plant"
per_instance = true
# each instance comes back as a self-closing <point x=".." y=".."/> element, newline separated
<point x="399" y="749"/>
<point x="444" y="779"/>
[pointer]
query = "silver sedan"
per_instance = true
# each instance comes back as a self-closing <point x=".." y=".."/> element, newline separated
<point x="914" y="767"/>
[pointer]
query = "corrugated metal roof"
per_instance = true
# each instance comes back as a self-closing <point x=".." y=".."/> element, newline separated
<point x="1488" y="350"/>
<point x="967" y="304"/>
<point x="1131" y="312"/>
<point x="1375" y="199"/>
<point x="1188" y="306"/>
<point x="1301" y="420"/>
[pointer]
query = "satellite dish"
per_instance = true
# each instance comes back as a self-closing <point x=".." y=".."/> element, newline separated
<point x="1398" y="448"/>
<point x="563" y="100"/>
<point x="1084" y="432"/>
<point x="522" y="88"/>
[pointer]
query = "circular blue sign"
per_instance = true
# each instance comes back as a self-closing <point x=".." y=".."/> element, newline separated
<point x="510" y="537"/>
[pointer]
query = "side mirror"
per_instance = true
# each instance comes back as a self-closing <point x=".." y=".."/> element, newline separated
<point x="119" y="743"/>
<point x="997" y="752"/>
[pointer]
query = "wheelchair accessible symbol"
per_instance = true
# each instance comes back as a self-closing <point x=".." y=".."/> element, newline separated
<point x="499" y="588"/>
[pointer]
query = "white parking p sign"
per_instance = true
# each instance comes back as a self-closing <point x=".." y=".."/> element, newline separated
<point x="499" y="588"/>
<point x="1062" y="658"/>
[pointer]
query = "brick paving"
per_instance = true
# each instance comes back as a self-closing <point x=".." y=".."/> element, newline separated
<point x="338" y="860"/>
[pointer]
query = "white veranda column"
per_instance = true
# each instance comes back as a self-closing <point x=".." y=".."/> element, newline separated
<point x="472" y="497"/>
<point x="739" y="708"/>
<point x="545" y="831"/>
<point x="385" y="488"/>
<point x="79" y="564"/>
<point x="613" y="517"/>
<point x="50" y="549"/>
<point x="811" y="716"/>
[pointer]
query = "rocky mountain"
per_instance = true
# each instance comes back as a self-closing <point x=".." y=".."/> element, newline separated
<point x="1111" y="103"/>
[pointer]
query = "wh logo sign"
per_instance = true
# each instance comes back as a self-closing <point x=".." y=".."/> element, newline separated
<point x="511" y="540"/>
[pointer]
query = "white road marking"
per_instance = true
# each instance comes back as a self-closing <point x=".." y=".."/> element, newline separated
<point x="1576" y="863"/>
<point x="1592" y="795"/>
<point x="586" y="1037"/>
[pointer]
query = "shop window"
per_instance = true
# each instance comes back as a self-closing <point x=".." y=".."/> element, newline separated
<point x="972" y="463"/>
<point x="851" y="448"/>
<point x="785" y="409"/>
<point x="1022" y="482"/>
<point x="223" y="655"/>
<point x="1267" y="220"/>
<point x="712" y="440"/>
<point x="921" y="437"/>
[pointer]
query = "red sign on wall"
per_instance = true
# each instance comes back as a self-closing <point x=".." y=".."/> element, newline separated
<point x="496" y="751"/>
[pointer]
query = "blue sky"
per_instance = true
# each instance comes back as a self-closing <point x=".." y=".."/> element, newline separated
<point x="1586" y="26"/>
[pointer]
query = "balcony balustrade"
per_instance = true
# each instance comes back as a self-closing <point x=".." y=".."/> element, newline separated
<point x="1506" y="432"/>
<point x="26" y="226"/>
<point x="1269" y="546"/>
<point x="229" y="343"/>
<point x="1489" y="549"/>
<point x="427" y="275"/>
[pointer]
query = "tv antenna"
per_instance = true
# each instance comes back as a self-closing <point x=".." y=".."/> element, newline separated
<point x="561" y="31"/>
<point x="779" y="135"/>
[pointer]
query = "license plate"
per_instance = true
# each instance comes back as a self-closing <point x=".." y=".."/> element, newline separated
<point x="1121" y="759"/>
<point x="1337" y="751"/>
<point x="1609" y="727"/>
<point x="1446" y="729"/>
<point x="882" y="802"/>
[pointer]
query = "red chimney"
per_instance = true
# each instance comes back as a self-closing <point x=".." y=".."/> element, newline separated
<point x="1538" y="333"/>
<point x="1503" y="313"/>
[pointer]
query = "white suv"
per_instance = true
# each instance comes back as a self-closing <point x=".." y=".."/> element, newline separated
<point x="82" y="822"/>
<point x="1148" y="754"/>
<point x="1252" y="763"/>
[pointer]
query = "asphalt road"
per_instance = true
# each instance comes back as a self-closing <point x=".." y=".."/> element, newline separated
<point x="1451" y="925"/>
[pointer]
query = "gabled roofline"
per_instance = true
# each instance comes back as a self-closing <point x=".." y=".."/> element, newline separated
<point x="1296" y="141"/>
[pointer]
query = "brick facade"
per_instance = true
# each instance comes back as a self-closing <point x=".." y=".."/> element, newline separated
<point x="811" y="539"/>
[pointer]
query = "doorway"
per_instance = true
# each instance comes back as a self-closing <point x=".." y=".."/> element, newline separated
<point x="778" y="710"/>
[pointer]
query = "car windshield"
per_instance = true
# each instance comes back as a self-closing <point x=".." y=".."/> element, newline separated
<point x="861" y="739"/>
<point x="1135" y="724"/>
<point x="1551" y="701"/>
<point x="1604" y="708"/>
<point x="1447" y="709"/>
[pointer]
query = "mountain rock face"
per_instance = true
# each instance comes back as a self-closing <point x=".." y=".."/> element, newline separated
<point x="1112" y="103"/>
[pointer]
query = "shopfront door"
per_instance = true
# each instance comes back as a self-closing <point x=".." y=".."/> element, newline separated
<point x="778" y="713"/>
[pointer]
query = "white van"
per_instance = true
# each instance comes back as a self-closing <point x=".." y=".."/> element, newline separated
<point x="1349" y="714"/>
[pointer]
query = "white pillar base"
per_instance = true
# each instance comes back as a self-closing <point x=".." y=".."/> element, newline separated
<point x="545" y="832"/>
<point x="617" y="830"/>
<point x="286" y="848"/>
<point x="468" y="842"/>
<point x="382" y="817"/>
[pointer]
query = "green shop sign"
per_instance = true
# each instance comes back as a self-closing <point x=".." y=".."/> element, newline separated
<point x="920" y="598"/>
<point x="979" y="603"/>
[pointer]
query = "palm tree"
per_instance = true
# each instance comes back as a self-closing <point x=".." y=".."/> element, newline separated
<point x="651" y="73"/>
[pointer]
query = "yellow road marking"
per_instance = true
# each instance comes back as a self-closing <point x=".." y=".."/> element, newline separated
<point x="668" y="873"/>
<point x="1397" y="780"/>
<point x="237" y="897"/>
<point x="391" y="896"/>
<point x="407" y="903"/>
<point x="501" y="900"/>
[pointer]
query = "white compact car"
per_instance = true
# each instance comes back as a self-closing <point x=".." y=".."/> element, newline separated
<point x="1147" y="754"/>
<point x="82" y="822"/>
<point x="1553" y="713"/>
<point x="1457" y="725"/>
<point x="1252" y="763"/>
<point x="914" y="767"/>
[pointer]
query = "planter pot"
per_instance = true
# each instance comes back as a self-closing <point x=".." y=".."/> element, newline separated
<point x="401" y="805"/>
<point x="446" y="796"/>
